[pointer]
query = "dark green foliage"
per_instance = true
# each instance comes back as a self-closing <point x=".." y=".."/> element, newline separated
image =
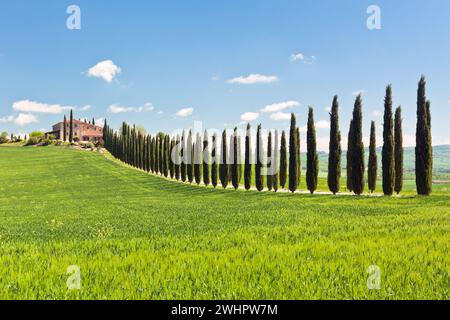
<point x="64" y="129"/>
<point x="223" y="166"/>
<point x="358" y="167"/>
<point x="293" y="155"/>
<point x="206" y="159"/>
<point x="248" y="159"/>
<point x="170" y="151"/>
<point x="299" y="163"/>
<point x="235" y="160"/>
<point x="335" y="152"/>
<point x="259" y="179"/>
<point x="269" y="162"/>
<point x="398" y="138"/>
<point x="274" y="166"/>
<point x="189" y="158"/>
<point x="183" y="155"/>
<point x="424" y="150"/>
<point x="312" y="163"/>
<point x="283" y="160"/>
<point x="387" y="160"/>
<point x="214" y="161"/>
<point x="349" y="158"/>
<point x="177" y="158"/>
<point x="198" y="159"/>
<point x="373" y="165"/>
<point x="157" y="154"/>
<point x="71" y="127"/>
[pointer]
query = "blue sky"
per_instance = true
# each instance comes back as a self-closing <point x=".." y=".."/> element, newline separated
<point x="182" y="55"/>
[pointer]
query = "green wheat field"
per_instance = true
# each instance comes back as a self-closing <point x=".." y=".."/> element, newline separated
<point x="137" y="236"/>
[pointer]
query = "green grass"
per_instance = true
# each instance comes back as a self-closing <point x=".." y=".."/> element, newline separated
<point x="137" y="236"/>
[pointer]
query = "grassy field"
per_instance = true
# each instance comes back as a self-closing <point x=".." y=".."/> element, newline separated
<point x="136" y="236"/>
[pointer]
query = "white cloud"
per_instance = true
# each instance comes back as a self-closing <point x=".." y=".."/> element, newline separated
<point x="85" y="108"/>
<point x="297" y="57"/>
<point x="359" y="92"/>
<point x="116" y="108"/>
<point x="279" y="116"/>
<point x="253" y="78"/>
<point x="249" y="116"/>
<point x="22" y="119"/>
<point x="276" y="107"/>
<point x="105" y="70"/>
<point x="37" y="107"/>
<point x="321" y="124"/>
<point x="301" y="57"/>
<point x="183" y="113"/>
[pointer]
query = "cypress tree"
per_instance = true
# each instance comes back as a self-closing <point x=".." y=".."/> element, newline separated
<point x="183" y="155"/>
<point x="334" y="156"/>
<point x="223" y="166"/>
<point x="283" y="160"/>
<point x="206" y="159"/>
<point x="235" y="164"/>
<point x="312" y="163"/>
<point x="189" y="154"/>
<point x="157" y="153"/>
<point x="358" y="167"/>
<point x="148" y="152"/>
<point x="170" y="158"/>
<point x="153" y="155"/>
<point x="64" y="129"/>
<point x="388" y="145"/>
<point x="424" y="151"/>
<point x="93" y="121"/>
<point x="177" y="158"/>
<point x="269" y="162"/>
<point x="276" y="156"/>
<point x="349" y="164"/>
<point x="398" y="137"/>
<point x="198" y="159"/>
<point x="372" y="166"/>
<point x="299" y="163"/>
<point x="214" y="161"/>
<point x="71" y="126"/>
<point x="248" y="159"/>
<point x="239" y="156"/>
<point x="293" y="155"/>
<point x="259" y="180"/>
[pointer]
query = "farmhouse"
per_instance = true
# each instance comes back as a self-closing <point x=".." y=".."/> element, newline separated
<point x="82" y="131"/>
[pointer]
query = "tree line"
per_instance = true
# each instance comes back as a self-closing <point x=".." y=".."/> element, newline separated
<point x="277" y="163"/>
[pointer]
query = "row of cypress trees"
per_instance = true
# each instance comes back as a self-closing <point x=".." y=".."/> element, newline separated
<point x="192" y="159"/>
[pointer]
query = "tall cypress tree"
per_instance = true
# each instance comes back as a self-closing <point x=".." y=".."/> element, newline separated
<point x="235" y="165"/>
<point x="299" y="162"/>
<point x="398" y="137"/>
<point x="358" y="167"/>
<point x="198" y="159"/>
<point x="64" y="129"/>
<point x="71" y="127"/>
<point x="388" y="145"/>
<point x="157" y="153"/>
<point x="276" y="156"/>
<point x="259" y="181"/>
<point x="372" y="166"/>
<point x="206" y="159"/>
<point x="183" y="155"/>
<point x="312" y="163"/>
<point x="293" y="155"/>
<point x="189" y="153"/>
<point x="283" y="160"/>
<point x="223" y="166"/>
<point x="177" y="158"/>
<point x="424" y="151"/>
<point x="170" y="158"/>
<point x="214" y="161"/>
<point x="248" y="159"/>
<point x="269" y="162"/>
<point x="349" y="164"/>
<point x="334" y="156"/>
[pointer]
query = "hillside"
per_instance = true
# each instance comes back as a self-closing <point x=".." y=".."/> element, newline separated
<point x="137" y="236"/>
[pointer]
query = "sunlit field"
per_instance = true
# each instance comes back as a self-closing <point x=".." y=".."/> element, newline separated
<point x="138" y="236"/>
